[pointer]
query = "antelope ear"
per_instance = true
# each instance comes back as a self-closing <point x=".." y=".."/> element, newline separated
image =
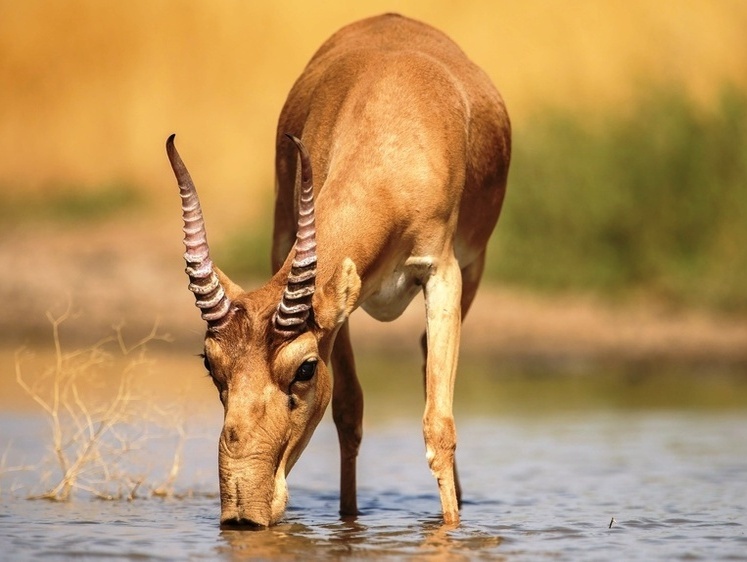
<point x="340" y="295"/>
<point x="233" y="291"/>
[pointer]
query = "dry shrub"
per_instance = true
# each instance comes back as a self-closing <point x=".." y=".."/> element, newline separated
<point x="100" y="421"/>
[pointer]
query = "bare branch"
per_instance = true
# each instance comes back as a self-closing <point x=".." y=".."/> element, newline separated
<point x="94" y="437"/>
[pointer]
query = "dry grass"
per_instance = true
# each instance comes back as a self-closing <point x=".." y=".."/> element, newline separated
<point x="100" y="421"/>
<point x="92" y="89"/>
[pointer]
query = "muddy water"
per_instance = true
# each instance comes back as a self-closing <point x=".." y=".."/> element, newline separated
<point x="541" y="481"/>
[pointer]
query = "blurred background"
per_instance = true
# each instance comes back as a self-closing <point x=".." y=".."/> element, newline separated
<point x="604" y="363"/>
<point x="624" y="231"/>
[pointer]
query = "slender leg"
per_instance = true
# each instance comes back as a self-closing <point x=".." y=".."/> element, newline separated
<point x="443" y="323"/>
<point x="347" y="412"/>
<point x="457" y="484"/>
<point x="471" y="276"/>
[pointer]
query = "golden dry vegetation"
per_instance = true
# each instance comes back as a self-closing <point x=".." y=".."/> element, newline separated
<point x="91" y="88"/>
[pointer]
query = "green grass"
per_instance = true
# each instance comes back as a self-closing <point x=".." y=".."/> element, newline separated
<point x="246" y="254"/>
<point x="71" y="204"/>
<point x="652" y="198"/>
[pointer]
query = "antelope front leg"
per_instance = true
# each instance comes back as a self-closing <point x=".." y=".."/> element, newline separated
<point x="443" y="322"/>
<point x="347" y="412"/>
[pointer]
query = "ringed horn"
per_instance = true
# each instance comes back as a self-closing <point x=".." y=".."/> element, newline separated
<point x="293" y="312"/>
<point x="210" y="297"/>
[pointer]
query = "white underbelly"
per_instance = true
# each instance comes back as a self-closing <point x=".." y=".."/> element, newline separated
<point x="391" y="295"/>
<point x="395" y="291"/>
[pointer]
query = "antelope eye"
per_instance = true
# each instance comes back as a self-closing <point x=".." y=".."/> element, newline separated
<point x="206" y="363"/>
<point x="306" y="371"/>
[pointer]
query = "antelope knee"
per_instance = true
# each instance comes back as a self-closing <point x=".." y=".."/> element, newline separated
<point x="440" y="442"/>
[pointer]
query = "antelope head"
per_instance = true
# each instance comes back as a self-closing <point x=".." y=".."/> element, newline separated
<point x="266" y="351"/>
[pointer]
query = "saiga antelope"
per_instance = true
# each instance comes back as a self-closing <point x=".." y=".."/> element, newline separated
<point x="410" y="145"/>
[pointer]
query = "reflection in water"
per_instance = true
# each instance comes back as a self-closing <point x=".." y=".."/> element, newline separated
<point x="284" y="541"/>
<point x="446" y="541"/>
<point x="427" y="540"/>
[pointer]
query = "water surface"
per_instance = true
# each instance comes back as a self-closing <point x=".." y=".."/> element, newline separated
<point x="643" y="479"/>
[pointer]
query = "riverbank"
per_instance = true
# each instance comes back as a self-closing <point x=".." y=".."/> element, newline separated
<point x="116" y="274"/>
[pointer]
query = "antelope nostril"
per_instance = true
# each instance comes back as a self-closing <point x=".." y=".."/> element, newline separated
<point x="231" y="435"/>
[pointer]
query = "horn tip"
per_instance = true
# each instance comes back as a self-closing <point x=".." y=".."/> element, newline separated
<point x="298" y="142"/>
<point x="171" y="149"/>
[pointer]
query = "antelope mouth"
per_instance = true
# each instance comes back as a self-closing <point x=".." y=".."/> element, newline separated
<point x="241" y="524"/>
<point x="243" y="507"/>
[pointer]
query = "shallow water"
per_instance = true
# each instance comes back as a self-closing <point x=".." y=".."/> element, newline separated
<point x="620" y="465"/>
<point x="539" y="487"/>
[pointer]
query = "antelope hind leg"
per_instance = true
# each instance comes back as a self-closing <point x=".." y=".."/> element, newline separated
<point x="443" y="291"/>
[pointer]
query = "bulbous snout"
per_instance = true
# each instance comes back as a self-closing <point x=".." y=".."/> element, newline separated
<point x="253" y="491"/>
<point x="244" y="508"/>
<point x="252" y="495"/>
